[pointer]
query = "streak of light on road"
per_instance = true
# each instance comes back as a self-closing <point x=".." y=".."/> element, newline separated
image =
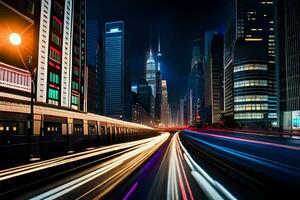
<point x="127" y="162"/>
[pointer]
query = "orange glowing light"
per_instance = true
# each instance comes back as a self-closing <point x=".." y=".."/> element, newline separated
<point x="15" y="39"/>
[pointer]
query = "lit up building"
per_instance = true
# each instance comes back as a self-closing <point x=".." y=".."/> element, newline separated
<point x="254" y="23"/>
<point x="165" y="108"/>
<point x="61" y="72"/>
<point x="53" y="48"/>
<point x="288" y="65"/>
<point x="151" y="73"/>
<point x="253" y="103"/>
<point x="229" y="41"/>
<point x="158" y="85"/>
<point x="196" y="85"/>
<point x="18" y="62"/>
<point x="114" y="69"/>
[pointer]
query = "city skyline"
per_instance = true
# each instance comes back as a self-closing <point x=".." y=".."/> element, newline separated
<point x="149" y="100"/>
<point x="146" y="20"/>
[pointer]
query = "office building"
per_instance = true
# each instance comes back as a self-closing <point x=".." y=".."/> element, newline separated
<point x="253" y="87"/>
<point x="165" y="108"/>
<point x="229" y="41"/>
<point x="216" y="76"/>
<point x="114" y="69"/>
<point x="196" y="85"/>
<point x="53" y="50"/>
<point x="95" y="68"/>
<point x="145" y="94"/>
<point x="288" y="65"/>
<point x="62" y="44"/>
<point x="158" y="85"/>
<point x="253" y="22"/>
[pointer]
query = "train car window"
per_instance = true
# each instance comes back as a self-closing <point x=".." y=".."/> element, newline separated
<point x="1" y="128"/>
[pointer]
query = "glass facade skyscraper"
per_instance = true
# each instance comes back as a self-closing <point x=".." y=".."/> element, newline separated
<point x="114" y="69"/>
<point x="254" y="25"/>
<point x="288" y="34"/>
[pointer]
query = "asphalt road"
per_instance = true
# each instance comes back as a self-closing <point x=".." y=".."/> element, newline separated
<point x="208" y="164"/>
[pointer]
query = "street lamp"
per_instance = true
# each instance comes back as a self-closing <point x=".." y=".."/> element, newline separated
<point x="15" y="39"/>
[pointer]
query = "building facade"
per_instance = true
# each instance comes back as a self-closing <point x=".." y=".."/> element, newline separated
<point x="253" y="22"/>
<point x="61" y="73"/>
<point x="217" y="77"/>
<point x="196" y="85"/>
<point x="253" y="104"/>
<point x="158" y="86"/>
<point x="114" y="69"/>
<point x="165" y="108"/>
<point x="145" y="94"/>
<point x="95" y="68"/>
<point x="288" y="65"/>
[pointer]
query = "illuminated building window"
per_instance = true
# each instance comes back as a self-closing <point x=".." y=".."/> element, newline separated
<point x="55" y="54"/>
<point x="57" y="25"/>
<point x="74" y="100"/>
<point x="54" y="78"/>
<point x="55" y="39"/>
<point x="75" y="85"/>
<point x="250" y="107"/>
<point x="250" y="98"/>
<point x="250" y="83"/>
<point x="53" y="94"/>
<point x="246" y="115"/>
<point x="250" y="67"/>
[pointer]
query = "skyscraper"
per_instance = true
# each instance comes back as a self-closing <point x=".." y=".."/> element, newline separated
<point x="196" y="85"/>
<point x="114" y="69"/>
<point x="254" y="22"/>
<point x="165" y="108"/>
<point x="151" y="73"/>
<point x="217" y="76"/>
<point x="61" y="45"/>
<point x="229" y="41"/>
<point x="158" y="85"/>
<point x="196" y="53"/>
<point x="288" y="65"/>
<point x="145" y="95"/>
<point x="95" y="68"/>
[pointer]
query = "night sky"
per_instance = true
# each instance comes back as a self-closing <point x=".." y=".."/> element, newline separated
<point x="177" y="22"/>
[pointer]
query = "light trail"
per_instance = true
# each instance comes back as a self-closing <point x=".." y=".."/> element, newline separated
<point x="259" y="160"/>
<point x="247" y="140"/>
<point x="212" y="188"/>
<point x="34" y="167"/>
<point x="177" y="178"/>
<point x="138" y="156"/>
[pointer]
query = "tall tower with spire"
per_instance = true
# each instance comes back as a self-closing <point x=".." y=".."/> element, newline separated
<point x="151" y="73"/>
